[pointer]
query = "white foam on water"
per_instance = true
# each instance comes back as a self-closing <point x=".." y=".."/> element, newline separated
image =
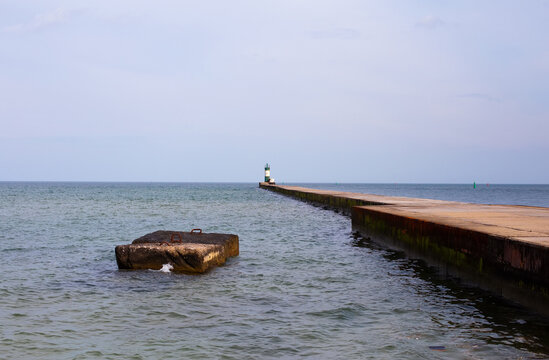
<point x="166" y="268"/>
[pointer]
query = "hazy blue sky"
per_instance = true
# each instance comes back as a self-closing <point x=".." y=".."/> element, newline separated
<point x="327" y="91"/>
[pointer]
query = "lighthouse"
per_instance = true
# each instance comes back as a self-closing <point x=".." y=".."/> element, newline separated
<point x="268" y="178"/>
<point x="267" y="173"/>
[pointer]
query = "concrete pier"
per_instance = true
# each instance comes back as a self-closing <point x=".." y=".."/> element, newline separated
<point x="501" y="248"/>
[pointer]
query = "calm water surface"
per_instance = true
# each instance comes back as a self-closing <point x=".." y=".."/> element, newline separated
<point x="303" y="285"/>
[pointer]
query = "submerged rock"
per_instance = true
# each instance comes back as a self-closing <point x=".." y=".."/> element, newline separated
<point x="191" y="252"/>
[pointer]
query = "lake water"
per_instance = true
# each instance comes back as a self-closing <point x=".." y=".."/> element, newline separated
<point x="303" y="285"/>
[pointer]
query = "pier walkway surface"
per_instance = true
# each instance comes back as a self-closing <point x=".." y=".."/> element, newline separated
<point x="503" y="248"/>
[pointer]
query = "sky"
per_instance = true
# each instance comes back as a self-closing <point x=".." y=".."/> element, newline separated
<point x="324" y="91"/>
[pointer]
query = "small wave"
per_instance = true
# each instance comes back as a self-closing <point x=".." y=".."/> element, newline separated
<point x="341" y="313"/>
<point x="166" y="268"/>
<point x="14" y="249"/>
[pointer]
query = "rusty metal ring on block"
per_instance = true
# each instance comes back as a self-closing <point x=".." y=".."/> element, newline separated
<point x="196" y="230"/>
<point x="172" y="240"/>
<point x="164" y="243"/>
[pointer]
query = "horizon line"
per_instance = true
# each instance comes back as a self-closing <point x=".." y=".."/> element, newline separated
<point x="253" y="182"/>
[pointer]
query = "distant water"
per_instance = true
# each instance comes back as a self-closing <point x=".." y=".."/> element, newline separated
<point x="303" y="285"/>
<point x="532" y="195"/>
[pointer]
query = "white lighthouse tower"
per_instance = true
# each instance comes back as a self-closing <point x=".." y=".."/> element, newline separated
<point x="268" y="178"/>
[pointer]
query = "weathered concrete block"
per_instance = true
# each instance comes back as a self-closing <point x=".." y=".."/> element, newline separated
<point x="191" y="252"/>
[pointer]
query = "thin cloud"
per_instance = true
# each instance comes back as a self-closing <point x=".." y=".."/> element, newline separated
<point x="339" y="33"/>
<point x="40" y="21"/>
<point x="479" y="96"/>
<point x="430" y="22"/>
